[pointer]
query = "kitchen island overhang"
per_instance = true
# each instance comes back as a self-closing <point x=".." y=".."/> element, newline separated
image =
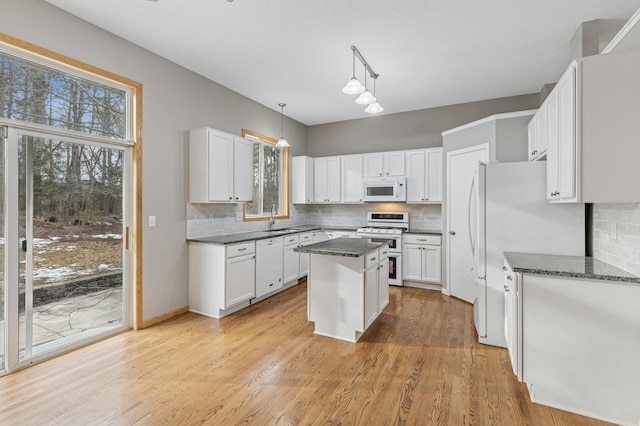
<point x="347" y="286"/>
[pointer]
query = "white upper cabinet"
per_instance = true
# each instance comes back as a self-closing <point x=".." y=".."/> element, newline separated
<point x="220" y="167"/>
<point x="424" y="175"/>
<point x="326" y="174"/>
<point x="352" y="186"/>
<point x="384" y="164"/>
<point x="302" y="180"/>
<point x="537" y="132"/>
<point x="595" y="156"/>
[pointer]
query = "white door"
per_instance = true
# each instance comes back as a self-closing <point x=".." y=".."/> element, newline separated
<point x="461" y="166"/>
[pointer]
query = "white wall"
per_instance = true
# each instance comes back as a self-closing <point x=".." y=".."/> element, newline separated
<point x="174" y="101"/>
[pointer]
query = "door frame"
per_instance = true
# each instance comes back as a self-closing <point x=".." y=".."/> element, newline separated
<point x="12" y="237"/>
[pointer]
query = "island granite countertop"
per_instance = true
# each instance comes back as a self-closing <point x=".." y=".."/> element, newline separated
<point x="241" y="237"/>
<point x="348" y="247"/>
<point x="568" y="266"/>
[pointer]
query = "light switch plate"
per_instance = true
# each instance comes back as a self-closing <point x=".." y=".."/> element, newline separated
<point x="228" y="218"/>
<point x="238" y="215"/>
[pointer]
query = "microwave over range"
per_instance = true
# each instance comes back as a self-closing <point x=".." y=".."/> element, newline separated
<point x="385" y="189"/>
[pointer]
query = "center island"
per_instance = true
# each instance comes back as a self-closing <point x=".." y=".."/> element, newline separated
<point x="347" y="286"/>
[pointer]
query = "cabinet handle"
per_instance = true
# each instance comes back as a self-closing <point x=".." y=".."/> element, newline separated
<point x="372" y="259"/>
<point x="506" y="289"/>
<point x="237" y="198"/>
<point x="452" y="232"/>
<point x="231" y="198"/>
<point x="509" y="278"/>
<point x="422" y="239"/>
<point x="504" y="268"/>
<point x="271" y="285"/>
<point x="242" y="249"/>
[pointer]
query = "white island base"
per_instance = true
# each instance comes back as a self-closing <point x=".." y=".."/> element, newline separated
<point x="346" y="294"/>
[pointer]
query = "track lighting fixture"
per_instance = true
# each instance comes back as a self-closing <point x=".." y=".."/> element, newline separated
<point x="354" y="87"/>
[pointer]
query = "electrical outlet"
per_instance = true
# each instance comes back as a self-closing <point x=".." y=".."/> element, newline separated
<point x="228" y="217"/>
<point x="238" y="215"/>
<point x="152" y="221"/>
<point x="210" y="217"/>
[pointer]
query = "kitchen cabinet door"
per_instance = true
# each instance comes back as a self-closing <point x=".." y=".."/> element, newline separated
<point x="532" y="137"/>
<point x="384" y="164"/>
<point x="394" y="163"/>
<point x="302" y="180"/>
<point x="434" y="179"/>
<point x="383" y="284"/>
<point x="327" y="179"/>
<point x="240" y="285"/>
<point x="220" y="166"/>
<point x="424" y="175"/>
<point x="351" y="177"/>
<point x="416" y="175"/>
<point x="431" y="263"/>
<point x="412" y="262"/>
<point x="566" y="147"/>
<point x="305" y="240"/>
<point x="242" y="170"/>
<point x="370" y="295"/>
<point x="291" y="269"/>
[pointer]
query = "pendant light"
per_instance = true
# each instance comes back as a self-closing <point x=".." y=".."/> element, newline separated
<point x="353" y="86"/>
<point x="366" y="97"/>
<point x="374" y="107"/>
<point x="282" y="142"/>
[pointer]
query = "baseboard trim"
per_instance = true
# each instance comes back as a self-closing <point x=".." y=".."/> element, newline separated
<point x="155" y="320"/>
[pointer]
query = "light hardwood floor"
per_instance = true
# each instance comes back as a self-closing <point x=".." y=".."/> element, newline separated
<point x="418" y="364"/>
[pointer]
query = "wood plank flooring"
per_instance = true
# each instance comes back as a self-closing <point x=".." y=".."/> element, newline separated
<point x="418" y="364"/>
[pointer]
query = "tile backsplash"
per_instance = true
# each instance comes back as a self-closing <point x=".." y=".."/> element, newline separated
<point x="216" y="219"/>
<point x="616" y="235"/>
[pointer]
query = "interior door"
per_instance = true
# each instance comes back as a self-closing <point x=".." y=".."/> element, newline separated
<point x="65" y="269"/>
<point x="461" y="166"/>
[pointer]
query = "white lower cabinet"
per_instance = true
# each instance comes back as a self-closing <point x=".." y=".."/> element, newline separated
<point x="346" y="294"/>
<point x="221" y="278"/>
<point x="291" y="258"/>
<point x="269" y="261"/>
<point x="421" y="256"/>
<point x="574" y="342"/>
<point x="305" y="240"/>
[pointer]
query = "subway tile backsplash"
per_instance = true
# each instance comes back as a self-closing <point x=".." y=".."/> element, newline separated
<point x="216" y="219"/>
<point x="616" y="235"/>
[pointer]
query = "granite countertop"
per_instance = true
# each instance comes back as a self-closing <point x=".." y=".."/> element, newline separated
<point x="568" y="266"/>
<point x="424" y="231"/>
<point x="242" y="237"/>
<point x="348" y="247"/>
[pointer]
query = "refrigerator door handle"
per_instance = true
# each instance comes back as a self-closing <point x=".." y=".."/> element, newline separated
<point x="471" y="213"/>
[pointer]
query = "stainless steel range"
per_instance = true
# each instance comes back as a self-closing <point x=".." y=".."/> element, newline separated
<point x="387" y="227"/>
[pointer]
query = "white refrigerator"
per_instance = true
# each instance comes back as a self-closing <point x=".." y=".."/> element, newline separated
<point x="509" y="212"/>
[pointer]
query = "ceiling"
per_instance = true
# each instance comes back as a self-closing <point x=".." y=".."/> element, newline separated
<point x="428" y="53"/>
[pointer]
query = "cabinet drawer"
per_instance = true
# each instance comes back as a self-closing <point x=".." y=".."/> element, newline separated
<point x="383" y="253"/>
<point x="371" y="260"/>
<point x="241" y="249"/>
<point x="434" y="240"/>
<point x="290" y="240"/>
<point x="306" y="237"/>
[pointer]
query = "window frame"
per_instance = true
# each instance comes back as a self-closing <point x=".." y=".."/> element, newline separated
<point x="285" y="173"/>
<point x="16" y="46"/>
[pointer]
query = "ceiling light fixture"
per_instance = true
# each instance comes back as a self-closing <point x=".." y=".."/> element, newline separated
<point x="365" y="98"/>
<point x="353" y="86"/>
<point x="282" y="142"/>
<point x="374" y="107"/>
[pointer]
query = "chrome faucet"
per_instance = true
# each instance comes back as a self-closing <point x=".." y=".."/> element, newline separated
<point x="272" y="218"/>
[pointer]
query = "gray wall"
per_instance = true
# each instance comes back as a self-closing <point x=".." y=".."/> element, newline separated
<point x="407" y="130"/>
<point x="174" y="101"/>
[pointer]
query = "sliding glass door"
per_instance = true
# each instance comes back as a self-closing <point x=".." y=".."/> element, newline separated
<point x="66" y="263"/>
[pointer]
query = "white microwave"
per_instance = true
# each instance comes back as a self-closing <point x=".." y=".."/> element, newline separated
<point x="384" y="190"/>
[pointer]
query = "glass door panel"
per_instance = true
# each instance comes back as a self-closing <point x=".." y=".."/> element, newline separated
<point x="71" y="262"/>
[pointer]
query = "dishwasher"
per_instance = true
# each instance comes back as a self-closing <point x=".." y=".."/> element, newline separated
<point x="268" y="265"/>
